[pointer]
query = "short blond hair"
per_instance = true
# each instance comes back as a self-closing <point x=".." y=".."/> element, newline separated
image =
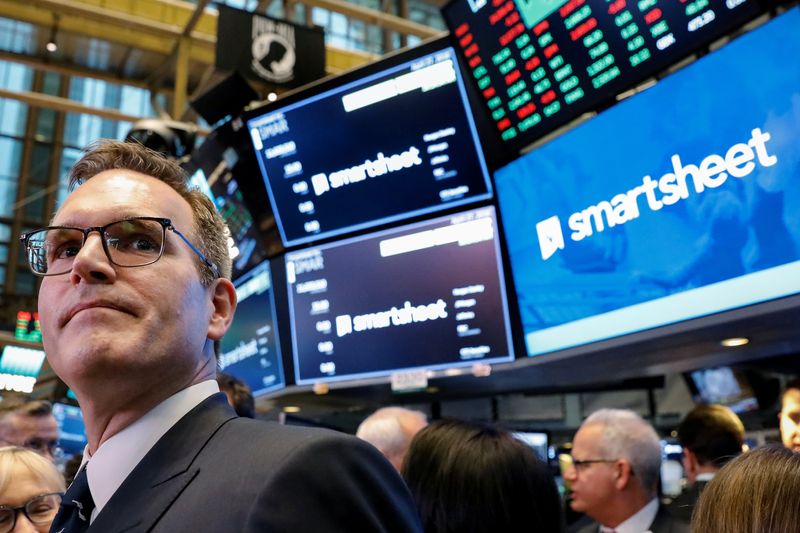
<point x="42" y="469"/>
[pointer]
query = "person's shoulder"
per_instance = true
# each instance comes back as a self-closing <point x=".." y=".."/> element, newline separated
<point x="666" y="522"/>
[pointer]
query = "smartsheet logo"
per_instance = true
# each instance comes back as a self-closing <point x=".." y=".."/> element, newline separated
<point x="551" y="238"/>
<point x="739" y="161"/>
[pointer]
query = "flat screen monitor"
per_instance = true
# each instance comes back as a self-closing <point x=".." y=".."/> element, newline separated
<point x="537" y="440"/>
<point x="680" y="202"/>
<point x="213" y="169"/>
<point x="71" y="429"/>
<point x="429" y="295"/>
<point x="250" y="350"/>
<point x="723" y="385"/>
<point x="389" y="141"/>
<point x="542" y="63"/>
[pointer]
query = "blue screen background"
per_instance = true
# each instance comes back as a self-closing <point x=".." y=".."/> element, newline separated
<point x="713" y="251"/>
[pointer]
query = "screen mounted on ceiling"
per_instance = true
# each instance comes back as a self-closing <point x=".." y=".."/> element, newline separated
<point x="541" y="63"/>
<point x="383" y="143"/>
<point x="679" y="202"/>
<point x="250" y="349"/>
<point x="430" y="295"/>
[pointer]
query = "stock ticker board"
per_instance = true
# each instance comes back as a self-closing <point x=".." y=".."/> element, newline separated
<point x="540" y="63"/>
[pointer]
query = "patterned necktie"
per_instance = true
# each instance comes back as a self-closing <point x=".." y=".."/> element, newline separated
<point x="76" y="507"/>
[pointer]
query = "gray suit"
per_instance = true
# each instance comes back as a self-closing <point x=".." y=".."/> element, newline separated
<point x="214" y="472"/>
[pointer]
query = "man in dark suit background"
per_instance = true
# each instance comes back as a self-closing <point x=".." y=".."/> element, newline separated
<point x="616" y="459"/>
<point x="711" y="435"/>
<point x="135" y="292"/>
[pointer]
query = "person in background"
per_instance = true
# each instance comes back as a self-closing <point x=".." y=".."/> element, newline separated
<point x="472" y="478"/>
<point x="391" y="429"/>
<point x="238" y="393"/>
<point x="790" y="416"/>
<point x="758" y="492"/>
<point x="29" y="424"/>
<point x="135" y="291"/>
<point x="30" y="491"/>
<point x="711" y="435"/>
<point x="616" y="460"/>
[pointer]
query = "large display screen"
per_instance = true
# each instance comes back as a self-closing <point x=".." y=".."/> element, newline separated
<point x="387" y="142"/>
<point x="541" y="63"/>
<point x="429" y="295"/>
<point x="250" y="349"/>
<point x="71" y="429"/>
<point x="679" y="202"/>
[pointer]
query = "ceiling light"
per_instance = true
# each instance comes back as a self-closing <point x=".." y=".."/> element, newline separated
<point x="734" y="341"/>
<point x="272" y="97"/>
<point x="291" y="409"/>
<point x="51" y="45"/>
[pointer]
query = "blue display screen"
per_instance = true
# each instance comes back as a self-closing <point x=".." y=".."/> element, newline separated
<point x="250" y="349"/>
<point x="428" y="296"/>
<point x="71" y="429"/>
<point x="396" y="142"/>
<point x="679" y="202"/>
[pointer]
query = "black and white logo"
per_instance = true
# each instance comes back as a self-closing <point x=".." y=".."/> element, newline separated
<point x="273" y="49"/>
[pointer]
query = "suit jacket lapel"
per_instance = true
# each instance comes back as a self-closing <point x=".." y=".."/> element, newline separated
<point x="165" y="471"/>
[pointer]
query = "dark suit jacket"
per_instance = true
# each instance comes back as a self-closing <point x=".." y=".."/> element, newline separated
<point x="663" y="523"/>
<point x="683" y="505"/>
<point x="216" y="473"/>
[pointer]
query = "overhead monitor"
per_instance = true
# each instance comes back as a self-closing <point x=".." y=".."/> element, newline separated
<point x="19" y="368"/>
<point x="250" y="349"/>
<point x="386" y="142"/>
<point x="723" y="385"/>
<point x="541" y="63"/>
<point x="680" y="202"/>
<point x="537" y="440"/>
<point x="430" y="295"/>
<point x="213" y="169"/>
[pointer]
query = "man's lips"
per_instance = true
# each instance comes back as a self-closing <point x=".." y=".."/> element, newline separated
<point x="95" y="304"/>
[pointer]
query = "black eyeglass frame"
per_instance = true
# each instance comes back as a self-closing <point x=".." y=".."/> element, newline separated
<point x="24" y="510"/>
<point x="166" y="224"/>
<point x="577" y="463"/>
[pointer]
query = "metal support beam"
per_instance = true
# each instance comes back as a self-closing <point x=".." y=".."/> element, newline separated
<point x="372" y="16"/>
<point x="181" y="78"/>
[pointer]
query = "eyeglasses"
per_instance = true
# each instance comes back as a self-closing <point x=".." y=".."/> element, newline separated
<point x="40" y="510"/>
<point x="582" y="464"/>
<point x="133" y="242"/>
<point x="43" y="446"/>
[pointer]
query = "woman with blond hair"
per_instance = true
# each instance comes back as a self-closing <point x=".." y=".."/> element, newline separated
<point x="30" y="491"/>
<point x="758" y="492"/>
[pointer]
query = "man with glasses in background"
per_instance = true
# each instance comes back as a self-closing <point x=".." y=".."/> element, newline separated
<point x="29" y="424"/>
<point x="616" y="461"/>
<point x="135" y="292"/>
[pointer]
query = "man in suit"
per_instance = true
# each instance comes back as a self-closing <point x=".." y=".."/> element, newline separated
<point x="711" y="435"/>
<point x="135" y="292"/>
<point x="790" y="416"/>
<point x="30" y="425"/>
<point x="391" y="430"/>
<point x="616" y="458"/>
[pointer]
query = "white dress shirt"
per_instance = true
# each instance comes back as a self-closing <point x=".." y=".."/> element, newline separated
<point x="639" y="522"/>
<point x="116" y="458"/>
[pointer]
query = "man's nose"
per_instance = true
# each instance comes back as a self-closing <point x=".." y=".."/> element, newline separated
<point x="91" y="264"/>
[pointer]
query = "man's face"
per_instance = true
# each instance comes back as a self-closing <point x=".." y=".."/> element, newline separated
<point x="790" y="420"/>
<point x="592" y="484"/>
<point x="39" y="433"/>
<point x="145" y="325"/>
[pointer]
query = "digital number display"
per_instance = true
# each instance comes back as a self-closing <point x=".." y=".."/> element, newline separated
<point x="541" y="63"/>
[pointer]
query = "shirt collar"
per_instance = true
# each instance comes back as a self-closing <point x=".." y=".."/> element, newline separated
<point x="637" y="523"/>
<point x="116" y="458"/>
<point x="705" y="476"/>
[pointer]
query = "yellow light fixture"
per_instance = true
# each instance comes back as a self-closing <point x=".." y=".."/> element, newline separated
<point x="734" y="341"/>
<point x="291" y="409"/>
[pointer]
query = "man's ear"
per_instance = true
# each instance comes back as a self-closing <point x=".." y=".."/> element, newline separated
<point x="622" y="474"/>
<point x="223" y="305"/>
<point x="690" y="462"/>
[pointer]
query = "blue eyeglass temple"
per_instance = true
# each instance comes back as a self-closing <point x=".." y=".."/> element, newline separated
<point x="206" y="261"/>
